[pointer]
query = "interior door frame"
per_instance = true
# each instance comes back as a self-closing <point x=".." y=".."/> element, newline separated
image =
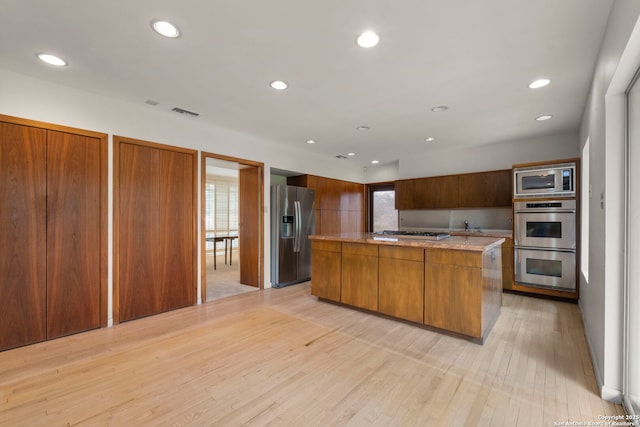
<point x="203" y="179"/>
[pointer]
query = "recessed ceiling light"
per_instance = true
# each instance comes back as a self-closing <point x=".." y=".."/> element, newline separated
<point x="51" y="59"/>
<point x="544" y="117"/>
<point x="429" y="139"/>
<point x="367" y="39"/>
<point x="439" y="108"/>
<point x="363" y="128"/>
<point x="539" y="83"/>
<point x="165" y="28"/>
<point x="375" y="162"/>
<point x="310" y="141"/>
<point x="278" y="85"/>
<point x="351" y="154"/>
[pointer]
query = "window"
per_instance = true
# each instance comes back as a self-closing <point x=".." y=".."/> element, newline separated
<point x="382" y="208"/>
<point x="221" y="206"/>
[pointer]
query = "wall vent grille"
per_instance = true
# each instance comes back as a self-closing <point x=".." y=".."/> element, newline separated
<point x="183" y="111"/>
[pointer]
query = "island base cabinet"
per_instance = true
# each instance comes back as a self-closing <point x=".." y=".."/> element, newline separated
<point x="471" y="285"/>
<point x="326" y="270"/>
<point x="360" y="275"/>
<point x="461" y="288"/>
<point x="401" y="282"/>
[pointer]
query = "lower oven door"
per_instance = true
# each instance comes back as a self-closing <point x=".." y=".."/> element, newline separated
<point x="546" y="268"/>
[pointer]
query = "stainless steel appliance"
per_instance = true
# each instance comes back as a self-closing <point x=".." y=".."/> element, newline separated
<point x="426" y="235"/>
<point x="292" y="222"/>
<point x="545" y="243"/>
<point x="557" y="180"/>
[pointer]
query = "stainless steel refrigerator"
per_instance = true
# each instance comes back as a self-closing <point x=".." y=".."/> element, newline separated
<point x="292" y="222"/>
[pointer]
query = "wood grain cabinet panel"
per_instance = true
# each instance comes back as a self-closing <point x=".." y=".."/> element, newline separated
<point x="473" y="190"/>
<point x="507" y="264"/>
<point x="250" y="181"/>
<point x="73" y="233"/>
<point x="404" y="194"/>
<point x="156" y="228"/>
<point x="470" y="283"/>
<point x="360" y="275"/>
<point x="339" y="204"/>
<point x="326" y="270"/>
<point x="176" y="230"/>
<point x="436" y="192"/>
<point x="498" y="188"/>
<point x="461" y="288"/>
<point x="52" y="231"/>
<point x="22" y="235"/>
<point x="139" y="226"/>
<point x="401" y="282"/>
<point x="444" y="190"/>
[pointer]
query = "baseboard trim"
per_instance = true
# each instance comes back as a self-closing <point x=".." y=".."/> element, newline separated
<point x="606" y="393"/>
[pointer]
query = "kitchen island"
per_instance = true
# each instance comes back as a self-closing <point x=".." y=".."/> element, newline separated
<point x="452" y="285"/>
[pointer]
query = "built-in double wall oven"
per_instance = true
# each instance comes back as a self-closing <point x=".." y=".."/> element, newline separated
<point x="545" y="244"/>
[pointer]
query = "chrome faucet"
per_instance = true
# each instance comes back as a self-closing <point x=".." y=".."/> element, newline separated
<point x="466" y="225"/>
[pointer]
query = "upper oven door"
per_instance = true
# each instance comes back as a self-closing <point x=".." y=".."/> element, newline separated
<point x="553" y="230"/>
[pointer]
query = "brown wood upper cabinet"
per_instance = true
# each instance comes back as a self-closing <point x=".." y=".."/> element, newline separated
<point x="339" y="205"/>
<point x="436" y="192"/>
<point x="482" y="189"/>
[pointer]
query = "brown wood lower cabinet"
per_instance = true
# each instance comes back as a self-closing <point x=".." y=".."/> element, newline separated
<point x="326" y="270"/>
<point x="401" y="282"/>
<point x="507" y="264"/>
<point x="450" y="289"/>
<point x="360" y="275"/>
<point x="462" y="290"/>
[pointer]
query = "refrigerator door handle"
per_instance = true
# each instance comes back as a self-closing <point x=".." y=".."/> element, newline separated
<point x="297" y="229"/>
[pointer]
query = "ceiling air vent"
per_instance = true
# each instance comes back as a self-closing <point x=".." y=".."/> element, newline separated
<point x="183" y="111"/>
<point x="340" y="156"/>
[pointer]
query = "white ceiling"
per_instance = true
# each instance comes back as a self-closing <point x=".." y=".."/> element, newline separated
<point x="477" y="57"/>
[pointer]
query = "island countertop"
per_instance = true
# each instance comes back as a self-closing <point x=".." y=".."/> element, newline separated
<point x="464" y="243"/>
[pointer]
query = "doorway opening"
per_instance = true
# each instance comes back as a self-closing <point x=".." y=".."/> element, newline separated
<point x="232" y="226"/>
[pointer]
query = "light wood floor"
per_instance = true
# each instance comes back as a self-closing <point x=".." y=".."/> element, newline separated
<point x="280" y="357"/>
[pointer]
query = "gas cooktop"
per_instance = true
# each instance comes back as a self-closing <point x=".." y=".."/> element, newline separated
<point x="428" y="235"/>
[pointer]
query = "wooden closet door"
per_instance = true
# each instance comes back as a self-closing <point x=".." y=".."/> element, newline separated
<point x="156" y="229"/>
<point x="250" y="237"/>
<point x="22" y="235"/>
<point x="139" y="224"/>
<point x="73" y="233"/>
<point x="176" y="230"/>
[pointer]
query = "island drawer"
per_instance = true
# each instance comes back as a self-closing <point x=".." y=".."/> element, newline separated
<point x="327" y="246"/>
<point x="398" y="252"/>
<point x="453" y="257"/>
<point x="362" y="249"/>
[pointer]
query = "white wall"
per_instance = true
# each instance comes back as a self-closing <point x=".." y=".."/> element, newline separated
<point x="443" y="161"/>
<point x="29" y="98"/>
<point x="601" y="298"/>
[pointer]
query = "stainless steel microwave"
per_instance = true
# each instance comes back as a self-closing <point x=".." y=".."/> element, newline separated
<point x="545" y="181"/>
